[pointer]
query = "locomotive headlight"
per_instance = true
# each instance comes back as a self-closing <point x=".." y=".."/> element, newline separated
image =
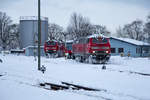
<point x="93" y="51"/>
<point x="66" y="54"/>
<point x="106" y="51"/>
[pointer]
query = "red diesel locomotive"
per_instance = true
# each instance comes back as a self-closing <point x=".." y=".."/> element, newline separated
<point x="92" y="49"/>
<point x="54" y="48"/>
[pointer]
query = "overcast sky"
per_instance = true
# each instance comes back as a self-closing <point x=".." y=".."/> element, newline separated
<point x="112" y="13"/>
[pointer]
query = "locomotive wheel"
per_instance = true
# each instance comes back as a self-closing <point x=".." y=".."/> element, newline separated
<point x="46" y="55"/>
<point x="69" y="56"/>
<point x="79" y="59"/>
<point x="73" y="57"/>
<point x="107" y="58"/>
<point x="51" y="56"/>
<point x="90" y="59"/>
<point x="56" y="55"/>
<point x="103" y="61"/>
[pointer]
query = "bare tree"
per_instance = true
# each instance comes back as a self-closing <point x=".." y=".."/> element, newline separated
<point x="56" y="32"/>
<point x="14" y="36"/>
<point x="79" y="26"/>
<point x="120" y="32"/>
<point x="147" y="29"/>
<point x="5" y="30"/>
<point x="99" y="29"/>
<point x="133" y="30"/>
<point x="137" y="29"/>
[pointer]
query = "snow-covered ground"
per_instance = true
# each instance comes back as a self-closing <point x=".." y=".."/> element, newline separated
<point x="124" y="79"/>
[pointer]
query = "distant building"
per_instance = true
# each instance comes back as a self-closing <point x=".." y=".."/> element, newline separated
<point x="29" y="31"/>
<point x="29" y="34"/>
<point x="32" y="51"/>
<point x="129" y="47"/>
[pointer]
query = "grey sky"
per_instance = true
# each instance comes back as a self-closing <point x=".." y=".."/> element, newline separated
<point x="111" y="13"/>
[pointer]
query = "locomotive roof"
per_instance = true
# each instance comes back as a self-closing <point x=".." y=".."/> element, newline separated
<point x="51" y="40"/>
<point x="96" y="35"/>
<point x="69" y="41"/>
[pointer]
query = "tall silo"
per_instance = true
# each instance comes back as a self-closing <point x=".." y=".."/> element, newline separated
<point x="29" y="31"/>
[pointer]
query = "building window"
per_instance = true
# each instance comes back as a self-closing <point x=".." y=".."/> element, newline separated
<point x="113" y="50"/>
<point x="138" y="50"/>
<point x="120" y="50"/>
<point x="146" y="50"/>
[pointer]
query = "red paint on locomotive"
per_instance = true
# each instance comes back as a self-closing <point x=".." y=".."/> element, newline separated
<point x="92" y="49"/>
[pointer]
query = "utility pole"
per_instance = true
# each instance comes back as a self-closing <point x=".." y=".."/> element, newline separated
<point x="39" y="36"/>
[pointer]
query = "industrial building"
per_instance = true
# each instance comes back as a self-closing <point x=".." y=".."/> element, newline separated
<point x="129" y="47"/>
<point x="32" y="51"/>
<point x="29" y="33"/>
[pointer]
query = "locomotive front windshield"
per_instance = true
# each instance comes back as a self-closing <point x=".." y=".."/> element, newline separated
<point x="99" y="40"/>
<point x="69" y="46"/>
<point x="51" y="43"/>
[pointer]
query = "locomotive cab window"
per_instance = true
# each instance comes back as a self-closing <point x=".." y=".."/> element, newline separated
<point x="51" y="43"/>
<point x="99" y="41"/>
<point x="104" y="40"/>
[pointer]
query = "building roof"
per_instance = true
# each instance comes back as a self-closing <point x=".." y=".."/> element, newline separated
<point x="131" y="41"/>
<point x="33" y="18"/>
<point x="33" y="47"/>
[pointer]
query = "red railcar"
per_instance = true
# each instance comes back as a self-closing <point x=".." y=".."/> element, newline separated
<point x="92" y="49"/>
<point x="54" y="48"/>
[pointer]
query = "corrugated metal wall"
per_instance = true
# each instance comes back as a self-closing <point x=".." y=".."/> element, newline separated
<point x="29" y="32"/>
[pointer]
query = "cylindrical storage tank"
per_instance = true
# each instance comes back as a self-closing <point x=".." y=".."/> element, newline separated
<point x="29" y="31"/>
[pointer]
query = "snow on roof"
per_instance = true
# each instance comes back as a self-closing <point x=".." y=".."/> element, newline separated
<point x="51" y="40"/>
<point x="33" y="47"/>
<point x="68" y="41"/>
<point x="96" y="35"/>
<point x="33" y="18"/>
<point x="132" y="41"/>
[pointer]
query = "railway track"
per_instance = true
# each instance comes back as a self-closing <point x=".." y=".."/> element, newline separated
<point x="70" y="87"/>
